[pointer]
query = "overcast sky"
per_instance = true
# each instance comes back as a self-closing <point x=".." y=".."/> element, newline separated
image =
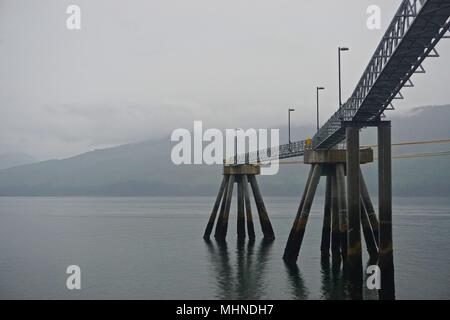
<point x="138" y="69"/>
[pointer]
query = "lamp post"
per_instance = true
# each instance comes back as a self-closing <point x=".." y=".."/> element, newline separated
<point x="339" y="67"/>
<point x="236" y="146"/>
<point x="289" y="125"/>
<point x="317" y="96"/>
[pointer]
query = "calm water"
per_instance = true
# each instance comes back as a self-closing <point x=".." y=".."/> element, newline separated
<point x="152" y="248"/>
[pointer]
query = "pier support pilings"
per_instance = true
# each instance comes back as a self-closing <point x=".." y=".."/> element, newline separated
<point x="243" y="175"/>
<point x="326" y="227"/>
<point x="386" y="256"/>
<point x="338" y="217"/>
<point x="354" y="249"/>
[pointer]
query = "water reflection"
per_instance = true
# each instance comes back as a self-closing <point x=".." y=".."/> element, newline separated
<point x="333" y="283"/>
<point x="242" y="272"/>
<point x="245" y="277"/>
<point x="299" y="291"/>
<point x="369" y="294"/>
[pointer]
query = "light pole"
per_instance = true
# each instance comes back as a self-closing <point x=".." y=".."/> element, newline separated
<point x="317" y="96"/>
<point x="339" y="66"/>
<point x="289" y="125"/>
<point x="236" y="146"/>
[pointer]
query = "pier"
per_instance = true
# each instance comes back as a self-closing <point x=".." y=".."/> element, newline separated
<point x="335" y="153"/>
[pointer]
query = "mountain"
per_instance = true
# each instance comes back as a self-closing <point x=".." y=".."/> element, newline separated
<point x="14" y="160"/>
<point x="145" y="169"/>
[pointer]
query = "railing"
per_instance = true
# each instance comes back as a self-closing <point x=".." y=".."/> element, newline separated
<point x="293" y="149"/>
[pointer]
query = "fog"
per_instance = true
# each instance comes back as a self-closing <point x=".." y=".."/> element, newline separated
<point x="139" y="69"/>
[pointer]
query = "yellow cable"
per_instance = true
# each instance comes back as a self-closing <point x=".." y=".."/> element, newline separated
<point x="399" y="156"/>
<point x="409" y="143"/>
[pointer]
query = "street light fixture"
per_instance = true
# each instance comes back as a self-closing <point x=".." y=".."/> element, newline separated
<point x="339" y="66"/>
<point x="317" y="96"/>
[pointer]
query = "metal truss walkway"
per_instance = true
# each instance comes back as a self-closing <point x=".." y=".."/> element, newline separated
<point x="416" y="28"/>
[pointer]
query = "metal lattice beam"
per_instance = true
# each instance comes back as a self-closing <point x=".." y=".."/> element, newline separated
<point x="416" y="28"/>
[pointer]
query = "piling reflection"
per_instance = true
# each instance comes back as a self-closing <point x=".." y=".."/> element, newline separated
<point x="333" y="283"/>
<point x="242" y="278"/>
<point x="241" y="271"/>
<point x="222" y="268"/>
<point x="298" y="288"/>
<point x="369" y="294"/>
